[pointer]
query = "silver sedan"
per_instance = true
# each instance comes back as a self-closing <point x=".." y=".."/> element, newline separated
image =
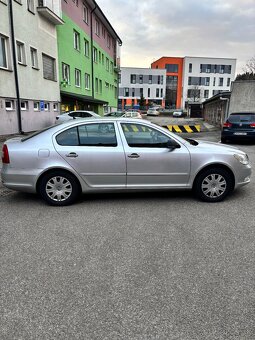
<point x="121" y="154"/>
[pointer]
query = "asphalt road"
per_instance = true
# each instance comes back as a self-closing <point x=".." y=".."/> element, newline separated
<point x="133" y="266"/>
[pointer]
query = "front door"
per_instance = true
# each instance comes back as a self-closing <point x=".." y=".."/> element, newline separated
<point x="150" y="163"/>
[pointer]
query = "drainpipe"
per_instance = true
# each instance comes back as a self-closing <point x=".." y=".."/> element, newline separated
<point x="91" y="43"/>
<point x="15" y="67"/>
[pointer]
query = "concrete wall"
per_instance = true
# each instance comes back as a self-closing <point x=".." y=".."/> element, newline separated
<point x="214" y="112"/>
<point x="242" y="96"/>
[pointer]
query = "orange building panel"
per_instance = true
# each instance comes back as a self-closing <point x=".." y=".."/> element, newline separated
<point x="161" y="64"/>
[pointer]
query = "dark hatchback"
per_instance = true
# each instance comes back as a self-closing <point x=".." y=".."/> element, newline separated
<point x="239" y="126"/>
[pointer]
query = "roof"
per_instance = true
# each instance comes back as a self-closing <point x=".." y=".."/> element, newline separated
<point x="217" y="96"/>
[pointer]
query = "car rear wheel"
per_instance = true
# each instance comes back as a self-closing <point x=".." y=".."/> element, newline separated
<point x="213" y="185"/>
<point x="59" y="188"/>
<point x="224" y="140"/>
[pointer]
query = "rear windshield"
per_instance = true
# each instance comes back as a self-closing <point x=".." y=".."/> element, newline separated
<point x="241" y="118"/>
<point x="37" y="133"/>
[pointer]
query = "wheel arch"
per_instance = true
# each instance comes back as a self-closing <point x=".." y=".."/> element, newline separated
<point x="48" y="171"/>
<point x="213" y="166"/>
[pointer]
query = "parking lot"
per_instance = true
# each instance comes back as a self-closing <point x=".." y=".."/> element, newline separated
<point x="129" y="266"/>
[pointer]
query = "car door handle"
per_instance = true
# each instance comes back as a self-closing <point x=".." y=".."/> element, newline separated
<point x="134" y="155"/>
<point x="72" y="154"/>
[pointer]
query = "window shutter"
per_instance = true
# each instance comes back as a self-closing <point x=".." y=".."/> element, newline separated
<point x="48" y="67"/>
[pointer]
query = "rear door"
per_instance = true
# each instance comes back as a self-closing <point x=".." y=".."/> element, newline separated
<point x="95" y="151"/>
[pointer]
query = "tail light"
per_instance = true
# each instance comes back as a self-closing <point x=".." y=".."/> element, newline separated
<point x="227" y="125"/>
<point x="5" y="155"/>
<point x="252" y="125"/>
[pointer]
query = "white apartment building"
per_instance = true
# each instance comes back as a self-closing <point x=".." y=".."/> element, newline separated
<point x="205" y="77"/>
<point x="29" y="82"/>
<point x="135" y="83"/>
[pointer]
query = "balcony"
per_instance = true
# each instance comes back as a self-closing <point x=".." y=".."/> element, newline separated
<point x="50" y="10"/>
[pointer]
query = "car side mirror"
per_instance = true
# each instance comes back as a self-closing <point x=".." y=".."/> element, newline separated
<point x="172" y="144"/>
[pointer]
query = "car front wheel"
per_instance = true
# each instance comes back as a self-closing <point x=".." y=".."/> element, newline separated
<point x="213" y="185"/>
<point x="59" y="188"/>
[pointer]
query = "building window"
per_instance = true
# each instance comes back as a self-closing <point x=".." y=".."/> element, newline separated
<point x="85" y="14"/>
<point x="87" y="81"/>
<point x="108" y="41"/>
<point x="3" y="54"/>
<point x="102" y="59"/>
<point x="46" y="106"/>
<point x="161" y="93"/>
<point x="107" y="85"/>
<point x="119" y="77"/>
<point x="228" y="82"/>
<point x="150" y="79"/>
<point x="95" y="54"/>
<point x="75" y="2"/>
<point x="208" y="68"/>
<point x="140" y="79"/>
<point x="149" y="92"/>
<point x="96" y="85"/>
<point x="228" y="67"/>
<point x="157" y="93"/>
<point x="133" y="92"/>
<point x="207" y="81"/>
<point x="31" y="5"/>
<point x="24" y="105"/>
<point x="77" y="78"/>
<point x="111" y="67"/>
<point x="141" y="92"/>
<point x="214" y="81"/>
<point x="49" y="67"/>
<point x="34" y="58"/>
<point x="66" y="73"/>
<point x="126" y="92"/>
<point x="158" y="80"/>
<point x="21" y="56"/>
<point x="133" y="78"/>
<point x="107" y="64"/>
<point x="222" y="69"/>
<point x="173" y="68"/>
<point x="76" y="40"/>
<point x="189" y="81"/>
<point x="100" y="86"/>
<point x="9" y="105"/>
<point x="86" y="48"/>
<point x="190" y="68"/>
<point x="220" y="81"/>
<point x="97" y="27"/>
<point x="103" y="31"/>
<point x="206" y="93"/>
<point x="36" y="106"/>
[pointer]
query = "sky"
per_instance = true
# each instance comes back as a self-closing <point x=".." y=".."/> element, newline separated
<point x="150" y="29"/>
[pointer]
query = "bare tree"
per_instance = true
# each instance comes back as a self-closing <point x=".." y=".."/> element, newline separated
<point x="250" y="65"/>
<point x="194" y="93"/>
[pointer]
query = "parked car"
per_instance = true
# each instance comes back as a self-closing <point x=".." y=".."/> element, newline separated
<point x="76" y="114"/>
<point x="126" y="114"/>
<point x="115" y="114"/>
<point x="153" y="111"/>
<point x="239" y="126"/>
<point x="113" y="154"/>
<point x="178" y="114"/>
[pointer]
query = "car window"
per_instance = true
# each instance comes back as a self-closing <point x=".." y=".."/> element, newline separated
<point x="85" y="115"/>
<point x="138" y="135"/>
<point x="241" y="118"/>
<point x="100" y="134"/>
<point x="68" y="137"/>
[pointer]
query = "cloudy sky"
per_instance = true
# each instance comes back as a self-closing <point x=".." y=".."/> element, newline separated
<point x="151" y="29"/>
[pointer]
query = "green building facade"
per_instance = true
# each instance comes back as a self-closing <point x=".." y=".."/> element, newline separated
<point x="88" y="54"/>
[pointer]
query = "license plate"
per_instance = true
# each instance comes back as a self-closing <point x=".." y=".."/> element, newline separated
<point x="240" y="133"/>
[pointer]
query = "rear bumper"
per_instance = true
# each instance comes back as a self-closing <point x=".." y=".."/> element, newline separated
<point x="238" y="135"/>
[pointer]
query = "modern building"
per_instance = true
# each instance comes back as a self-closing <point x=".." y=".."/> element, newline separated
<point x="174" y="78"/>
<point x="29" y="82"/>
<point x="89" y="58"/>
<point x="136" y="83"/>
<point x="192" y="80"/>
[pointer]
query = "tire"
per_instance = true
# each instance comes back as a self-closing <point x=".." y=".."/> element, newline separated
<point x="213" y="185"/>
<point x="59" y="188"/>
<point x="224" y="140"/>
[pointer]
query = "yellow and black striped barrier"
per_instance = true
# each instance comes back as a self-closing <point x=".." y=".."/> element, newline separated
<point x="183" y="128"/>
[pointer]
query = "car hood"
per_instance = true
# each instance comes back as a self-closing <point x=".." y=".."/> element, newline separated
<point x="217" y="147"/>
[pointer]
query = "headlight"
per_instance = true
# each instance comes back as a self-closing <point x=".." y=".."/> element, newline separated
<point x="244" y="159"/>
